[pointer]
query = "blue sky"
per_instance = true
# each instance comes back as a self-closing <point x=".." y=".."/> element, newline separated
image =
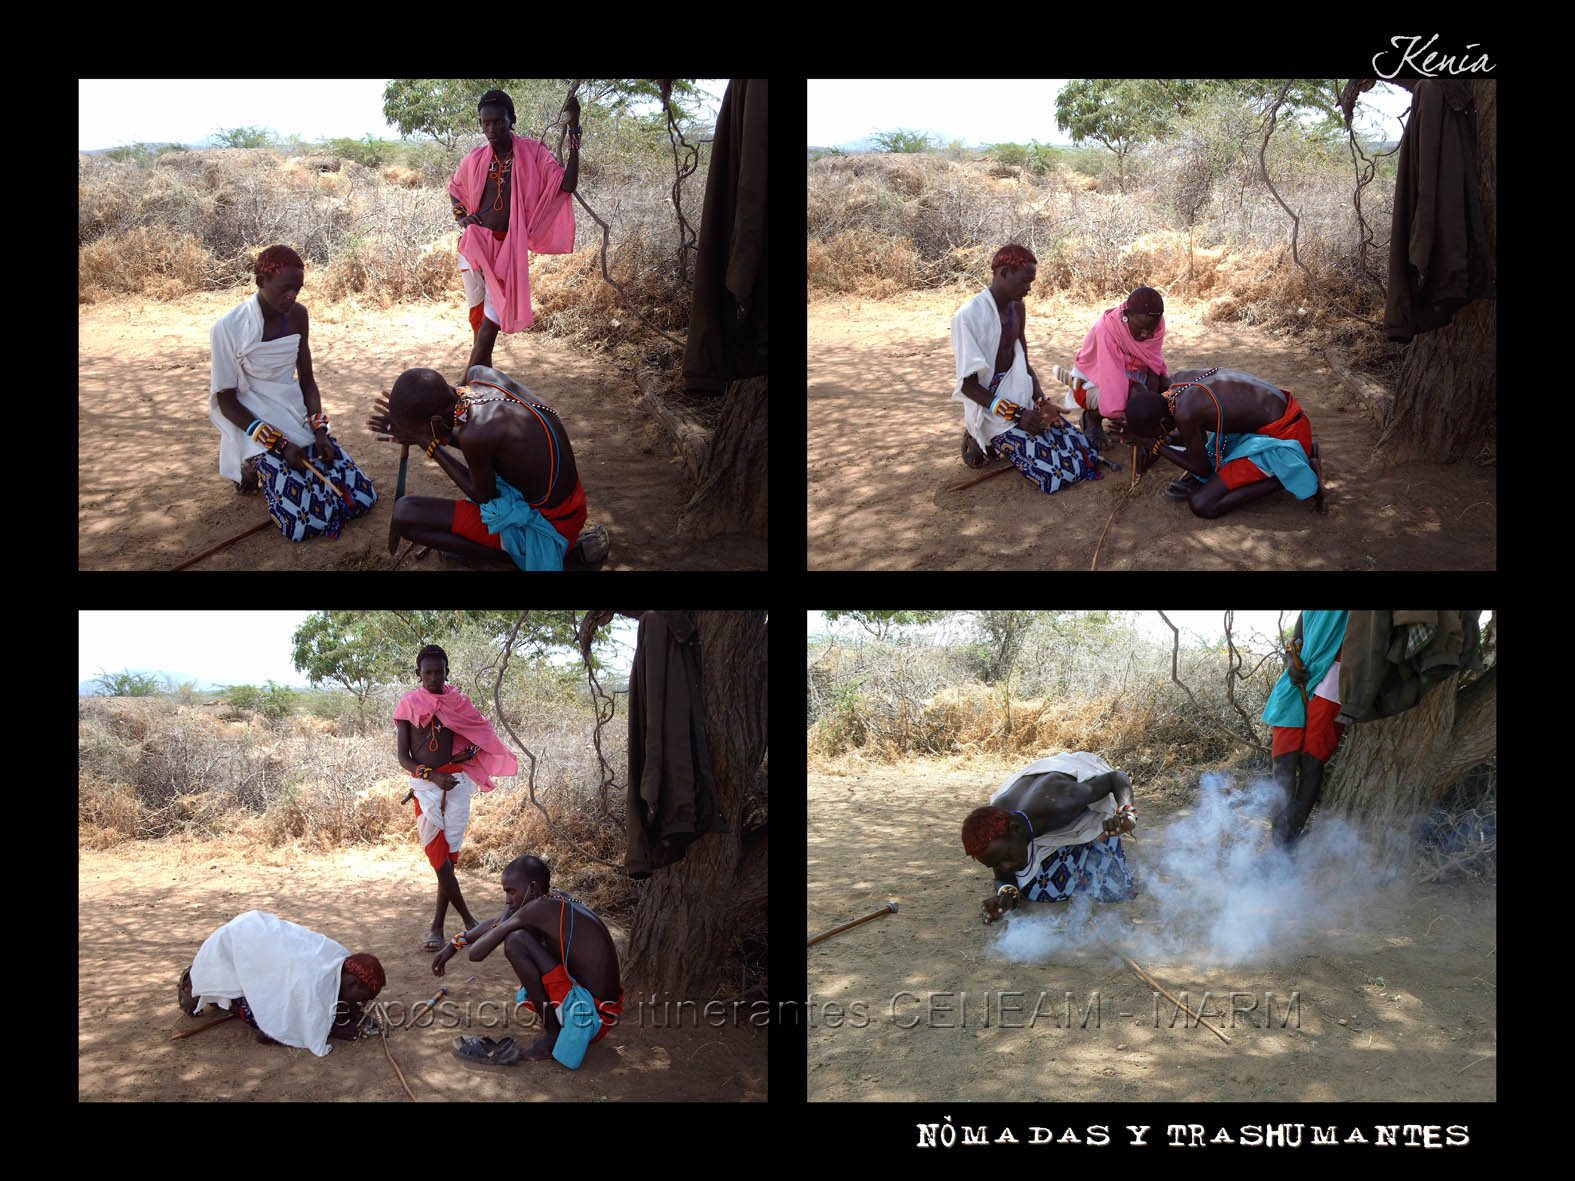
<point x="980" y="111"/>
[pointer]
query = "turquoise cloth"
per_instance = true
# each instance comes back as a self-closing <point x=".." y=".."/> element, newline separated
<point x="1282" y="458"/>
<point x="528" y="537"/>
<point x="581" y="1022"/>
<point x="1322" y="634"/>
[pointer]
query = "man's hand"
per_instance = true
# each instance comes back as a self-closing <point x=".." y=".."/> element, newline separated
<point x="992" y="910"/>
<point x="381" y="425"/>
<point x="1037" y="420"/>
<point x="1048" y="410"/>
<point x="444" y="780"/>
<point x="323" y="448"/>
<point x="293" y="455"/>
<point x="442" y="958"/>
<point x="1116" y="825"/>
<point x="470" y="219"/>
<point x="572" y="109"/>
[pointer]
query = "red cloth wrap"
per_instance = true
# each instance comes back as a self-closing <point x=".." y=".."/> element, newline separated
<point x="1240" y="472"/>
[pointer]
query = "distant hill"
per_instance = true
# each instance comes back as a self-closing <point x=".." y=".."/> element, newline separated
<point x="154" y="147"/>
<point x="91" y="688"/>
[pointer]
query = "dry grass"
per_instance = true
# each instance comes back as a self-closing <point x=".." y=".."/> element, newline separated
<point x="151" y="769"/>
<point x="881" y="224"/>
<point x="196" y="220"/>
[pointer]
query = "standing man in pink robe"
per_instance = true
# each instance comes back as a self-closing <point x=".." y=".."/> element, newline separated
<point x="509" y="181"/>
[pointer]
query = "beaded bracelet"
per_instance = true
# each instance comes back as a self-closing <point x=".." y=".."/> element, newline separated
<point x="317" y="422"/>
<point x="1005" y="409"/>
<point x="432" y="448"/>
<point x="459" y="941"/>
<point x="265" y="435"/>
<point x="424" y="773"/>
<point x="1010" y="889"/>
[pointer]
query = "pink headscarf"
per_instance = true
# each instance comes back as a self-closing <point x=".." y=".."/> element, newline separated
<point x="541" y="218"/>
<point x="1109" y="351"/>
<point x="454" y="710"/>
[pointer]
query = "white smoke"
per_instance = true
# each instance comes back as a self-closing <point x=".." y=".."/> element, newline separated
<point x="1214" y="891"/>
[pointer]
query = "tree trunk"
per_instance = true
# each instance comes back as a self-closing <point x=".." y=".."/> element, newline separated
<point x="1388" y="773"/>
<point x="691" y="913"/>
<point x="732" y="497"/>
<point x="1448" y="386"/>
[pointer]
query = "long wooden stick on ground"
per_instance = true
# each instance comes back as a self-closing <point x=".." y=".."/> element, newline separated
<point x="222" y="544"/>
<point x="1155" y="984"/>
<point x="210" y="1025"/>
<point x="391" y="1061"/>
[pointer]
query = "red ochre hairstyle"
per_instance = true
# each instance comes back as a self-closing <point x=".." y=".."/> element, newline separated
<point x="367" y="970"/>
<point x="275" y="259"/>
<point x="1013" y="256"/>
<point x="983" y="826"/>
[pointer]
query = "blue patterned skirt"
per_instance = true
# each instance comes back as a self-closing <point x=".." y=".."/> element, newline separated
<point x="1053" y="458"/>
<point x="1098" y="868"/>
<point x="302" y="505"/>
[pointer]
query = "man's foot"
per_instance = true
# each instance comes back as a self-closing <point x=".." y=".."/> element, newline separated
<point x="434" y="941"/>
<point x="540" y="1048"/>
<point x="1093" y="429"/>
<point x="590" y="549"/>
<point x="249" y="483"/>
<point x="972" y="453"/>
<point x="1181" y="489"/>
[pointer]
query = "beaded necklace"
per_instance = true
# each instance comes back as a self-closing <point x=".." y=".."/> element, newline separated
<point x="499" y="171"/>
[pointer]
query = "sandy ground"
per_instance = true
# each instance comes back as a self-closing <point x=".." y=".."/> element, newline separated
<point x="884" y="445"/>
<point x="146" y="908"/>
<point x="143" y="375"/>
<point x="1428" y="1032"/>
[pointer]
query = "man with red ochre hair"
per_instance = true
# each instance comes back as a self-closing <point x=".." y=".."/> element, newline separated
<point x="290" y="984"/>
<point x="1005" y="412"/>
<point x="1052" y="830"/>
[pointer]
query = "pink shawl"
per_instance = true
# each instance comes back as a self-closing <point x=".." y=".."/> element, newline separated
<point x="541" y="218"/>
<point x="454" y="710"/>
<point x="1109" y="351"/>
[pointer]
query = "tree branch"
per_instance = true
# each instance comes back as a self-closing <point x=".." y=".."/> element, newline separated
<point x="1175" y="649"/>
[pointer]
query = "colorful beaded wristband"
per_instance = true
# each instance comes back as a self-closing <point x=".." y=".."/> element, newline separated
<point x="317" y="422"/>
<point x="1010" y="889"/>
<point x="1005" y="409"/>
<point x="432" y="448"/>
<point x="459" y="941"/>
<point x="424" y="773"/>
<point x="265" y="435"/>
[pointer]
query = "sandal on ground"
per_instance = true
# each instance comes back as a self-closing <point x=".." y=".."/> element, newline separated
<point x="484" y="1051"/>
<point x="433" y="942"/>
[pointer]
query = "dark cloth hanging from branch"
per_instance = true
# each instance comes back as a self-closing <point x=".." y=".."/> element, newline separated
<point x="1438" y="253"/>
<point x="727" y="318"/>
<point x="672" y="792"/>
<point x="1390" y="659"/>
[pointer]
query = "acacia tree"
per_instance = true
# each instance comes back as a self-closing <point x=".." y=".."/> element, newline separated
<point x="691" y="914"/>
<point x="1447" y="390"/>
<point x="1387" y="771"/>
